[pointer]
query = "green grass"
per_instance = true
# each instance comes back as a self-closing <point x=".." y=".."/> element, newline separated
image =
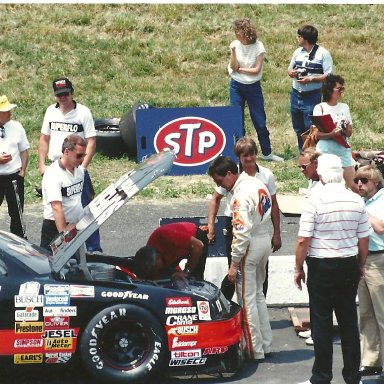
<point x="176" y="56"/>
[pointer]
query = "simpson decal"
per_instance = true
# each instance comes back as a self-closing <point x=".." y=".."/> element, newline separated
<point x="28" y="343"/>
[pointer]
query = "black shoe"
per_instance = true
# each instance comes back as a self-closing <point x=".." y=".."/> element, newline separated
<point x="370" y="371"/>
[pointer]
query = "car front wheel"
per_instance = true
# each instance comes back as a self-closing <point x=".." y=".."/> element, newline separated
<point x="123" y="344"/>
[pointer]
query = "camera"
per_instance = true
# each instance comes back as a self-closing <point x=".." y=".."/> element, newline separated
<point x="301" y="72"/>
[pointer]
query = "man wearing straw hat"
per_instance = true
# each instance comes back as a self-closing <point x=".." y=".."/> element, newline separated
<point x="14" y="155"/>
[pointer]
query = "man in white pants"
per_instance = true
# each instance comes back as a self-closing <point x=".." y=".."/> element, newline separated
<point x="251" y="246"/>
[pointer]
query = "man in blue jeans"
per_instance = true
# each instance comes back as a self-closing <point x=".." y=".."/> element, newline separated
<point x="309" y="67"/>
<point x="66" y="117"/>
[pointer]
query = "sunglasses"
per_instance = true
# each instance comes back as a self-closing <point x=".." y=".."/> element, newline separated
<point x="62" y="94"/>
<point x="303" y="167"/>
<point x="339" y="89"/>
<point x="363" y="180"/>
<point x="2" y="132"/>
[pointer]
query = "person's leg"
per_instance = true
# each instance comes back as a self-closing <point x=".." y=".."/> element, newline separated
<point x="265" y="284"/>
<point x="236" y="98"/>
<point x="319" y="283"/>
<point x="48" y="233"/>
<point x="255" y="101"/>
<point x="93" y="242"/>
<point x="297" y="118"/>
<point x="346" y="314"/>
<point x="13" y="209"/>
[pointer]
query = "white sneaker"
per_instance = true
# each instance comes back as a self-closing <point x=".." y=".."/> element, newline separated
<point x="304" y="334"/>
<point x="305" y="382"/>
<point x="272" y="157"/>
<point x="309" y="341"/>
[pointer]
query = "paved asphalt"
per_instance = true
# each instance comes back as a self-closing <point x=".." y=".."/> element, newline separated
<point x="123" y="234"/>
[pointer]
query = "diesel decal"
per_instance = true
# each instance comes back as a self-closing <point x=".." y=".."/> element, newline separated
<point x="35" y="327"/>
<point x="32" y="358"/>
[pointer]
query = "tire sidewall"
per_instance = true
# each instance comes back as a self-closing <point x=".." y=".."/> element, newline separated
<point x="90" y="345"/>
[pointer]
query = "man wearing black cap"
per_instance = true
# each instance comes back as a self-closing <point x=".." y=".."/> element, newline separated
<point x="61" y="119"/>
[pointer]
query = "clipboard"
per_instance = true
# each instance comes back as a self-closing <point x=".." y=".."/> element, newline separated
<point x="326" y="124"/>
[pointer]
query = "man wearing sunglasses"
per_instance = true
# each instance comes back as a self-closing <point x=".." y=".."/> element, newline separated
<point x="369" y="181"/>
<point x="61" y="119"/>
<point x="62" y="187"/>
<point x="308" y="166"/>
<point x="14" y="155"/>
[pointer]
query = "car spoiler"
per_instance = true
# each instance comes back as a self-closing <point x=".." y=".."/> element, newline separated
<point x="65" y="245"/>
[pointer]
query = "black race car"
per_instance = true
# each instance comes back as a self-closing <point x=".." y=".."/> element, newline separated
<point x="66" y="307"/>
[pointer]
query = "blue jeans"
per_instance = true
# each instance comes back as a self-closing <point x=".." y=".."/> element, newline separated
<point x="93" y="242"/>
<point x="332" y="286"/>
<point x="302" y="105"/>
<point x="252" y="94"/>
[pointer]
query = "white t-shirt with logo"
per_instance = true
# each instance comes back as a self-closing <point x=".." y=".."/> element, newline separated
<point x="14" y="141"/>
<point x="59" y="126"/>
<point x="61" y="185"/>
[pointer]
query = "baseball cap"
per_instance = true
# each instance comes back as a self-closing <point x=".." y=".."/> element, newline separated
<point x="328" y="163"/>
<point x="5" y="105"/>
<point x="62" y="85"/>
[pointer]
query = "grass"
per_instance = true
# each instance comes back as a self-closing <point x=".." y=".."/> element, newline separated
<point x="176" y="56"/>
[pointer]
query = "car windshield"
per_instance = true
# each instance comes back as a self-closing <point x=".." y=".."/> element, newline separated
<point x="27" y="253"/>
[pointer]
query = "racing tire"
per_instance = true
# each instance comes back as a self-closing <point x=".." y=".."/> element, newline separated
<point x="128" y="128"/>
<point x="123" y="344"/>
<point x="108" y="137"/>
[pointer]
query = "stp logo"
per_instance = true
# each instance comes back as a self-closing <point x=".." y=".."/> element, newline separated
<point x="195" y="140"/>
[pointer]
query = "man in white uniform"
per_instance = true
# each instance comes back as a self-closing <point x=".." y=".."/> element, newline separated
<point x="62" y="119"/>
<point x="14" y="155"/>
<point x="62" y="187"/>
<point x="250" y="206"/>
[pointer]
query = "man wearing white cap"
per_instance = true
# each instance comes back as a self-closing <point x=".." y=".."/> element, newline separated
<point x="14" y="155"/>
<point x="333" y="240"/>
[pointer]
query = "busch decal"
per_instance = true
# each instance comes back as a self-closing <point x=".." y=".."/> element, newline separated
<point x="195" y="140"/>
<point x="184" y="330"/>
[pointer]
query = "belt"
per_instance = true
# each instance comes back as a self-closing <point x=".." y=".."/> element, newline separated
<point x="375" y="252"/>
<point x="306" y="93"/>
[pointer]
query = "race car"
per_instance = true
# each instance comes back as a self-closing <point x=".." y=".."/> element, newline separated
<point x="70" y="307"/>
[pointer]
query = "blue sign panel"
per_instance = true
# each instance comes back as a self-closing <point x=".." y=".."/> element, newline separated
<point x="198" y="135"/>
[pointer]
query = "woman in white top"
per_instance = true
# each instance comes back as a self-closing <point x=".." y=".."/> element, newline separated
<point x="246" y="69"/>
<point x="333" y="89"/>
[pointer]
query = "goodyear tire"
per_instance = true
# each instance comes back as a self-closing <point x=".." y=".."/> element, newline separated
<point x="123" y="344"/>
<point x="128" y="128"/>
<point x="108" y="137"/>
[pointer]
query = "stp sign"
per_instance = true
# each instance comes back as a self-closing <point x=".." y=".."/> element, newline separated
<point x="195" y="140"/>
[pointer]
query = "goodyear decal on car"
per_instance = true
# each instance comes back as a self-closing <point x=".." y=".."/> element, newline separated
<point x="125" y="295"/>
<point x="31" y="358"/>
<point x="31" y="327"/>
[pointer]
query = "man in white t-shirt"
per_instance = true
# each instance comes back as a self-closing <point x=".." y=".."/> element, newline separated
<point x="62" y="187"/>
<point x="61" y="119"/>
<point x="14" y="156"/>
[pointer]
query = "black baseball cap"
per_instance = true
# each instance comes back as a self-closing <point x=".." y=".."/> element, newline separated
<point x="62" y="85"/>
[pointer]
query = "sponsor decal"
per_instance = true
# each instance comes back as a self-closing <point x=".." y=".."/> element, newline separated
<point x="184" y="330"/>
<point x="176" y="310"/>
<point x="203" y="310"/>
<point x="125" y="295"/>
<point x="58" y="343"/>
<point x="57" y="357"/>
<point x="29" y="301"/>
<point x="81" y="291"/>
<point x="56" y="300"/>
<point x="29" y="288"/>
<point x="182" y="344"/>
<point x="186" y="354"/>
<point x="195" y="140"/>
<point x="180" y="362"/>
<point x="59" y="311"/>
<point x="31" y="327"/>
<point x="215" y="350"/>
<point x="56" y="289"/>
<point x="155" y="356"/>
<point x="57" y="333"/>
<point x="264" y="202"/>
<point x="28" y="343"/>
<point x="72" y="189"/>
<point x="56" y="322"/>
<point x="181" y="319"/>
<point x="24" y="315"/>
<point x="178" y="302"/>
<point x="66" y="127"/>
<point x="31" y="358"/>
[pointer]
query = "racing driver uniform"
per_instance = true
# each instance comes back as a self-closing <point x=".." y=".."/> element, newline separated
<point x="251" y="247"/>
